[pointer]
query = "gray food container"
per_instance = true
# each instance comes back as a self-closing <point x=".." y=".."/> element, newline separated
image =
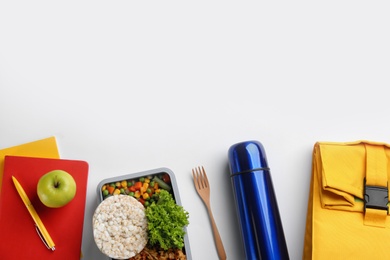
<point x="158" y="171"/>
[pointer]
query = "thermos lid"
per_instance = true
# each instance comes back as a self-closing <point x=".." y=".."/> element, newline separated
<point x="247" y="156"/>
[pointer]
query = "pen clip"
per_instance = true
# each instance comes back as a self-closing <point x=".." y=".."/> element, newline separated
<point x="43" y="239"/>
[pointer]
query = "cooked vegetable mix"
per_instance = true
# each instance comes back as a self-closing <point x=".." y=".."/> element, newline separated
<point x="144" y="189"/>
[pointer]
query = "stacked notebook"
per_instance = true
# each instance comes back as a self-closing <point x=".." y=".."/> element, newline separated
<point x="28" y="163"/>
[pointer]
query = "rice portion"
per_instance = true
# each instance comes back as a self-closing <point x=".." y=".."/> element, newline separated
<point x="120" y="227"/>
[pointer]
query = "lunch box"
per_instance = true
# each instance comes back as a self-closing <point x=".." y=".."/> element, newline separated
<point x="150" y="173"/>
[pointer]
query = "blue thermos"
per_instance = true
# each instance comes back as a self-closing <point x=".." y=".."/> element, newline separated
<point x="258" y="214"/>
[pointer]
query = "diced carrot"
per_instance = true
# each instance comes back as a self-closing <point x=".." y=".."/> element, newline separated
<point x="137" y="185"/>
<point x="155" y="186"/>
<point x="142" y="201"/>
<point x="110" y="189"/>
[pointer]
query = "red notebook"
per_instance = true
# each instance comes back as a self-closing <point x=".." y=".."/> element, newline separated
<point x="65" y="225"/>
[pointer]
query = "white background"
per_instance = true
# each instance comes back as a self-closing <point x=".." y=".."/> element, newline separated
<point x="130" y="86"/>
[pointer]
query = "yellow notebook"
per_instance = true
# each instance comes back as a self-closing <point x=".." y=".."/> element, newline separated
<point x="46" y="148"/>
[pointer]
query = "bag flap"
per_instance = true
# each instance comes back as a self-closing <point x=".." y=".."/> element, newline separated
<point x="341" y="169"/>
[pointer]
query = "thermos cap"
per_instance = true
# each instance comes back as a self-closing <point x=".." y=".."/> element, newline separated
<point x="247" y="156"/>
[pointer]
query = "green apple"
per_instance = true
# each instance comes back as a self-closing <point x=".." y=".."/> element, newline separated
<point x="56" y="188"/>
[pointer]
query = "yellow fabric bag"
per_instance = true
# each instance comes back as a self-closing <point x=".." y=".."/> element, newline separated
<point x="347" y="214"/>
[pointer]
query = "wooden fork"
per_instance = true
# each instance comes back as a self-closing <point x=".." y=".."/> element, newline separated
<point x="202" y="187"/>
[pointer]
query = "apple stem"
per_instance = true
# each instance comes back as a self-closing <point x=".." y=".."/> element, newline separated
<point x="56" y="182"/>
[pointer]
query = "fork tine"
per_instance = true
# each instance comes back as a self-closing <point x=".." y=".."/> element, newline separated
<point x="205" y="180"/>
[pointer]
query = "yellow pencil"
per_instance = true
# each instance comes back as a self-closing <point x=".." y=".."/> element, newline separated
<point x="42" y="232"/>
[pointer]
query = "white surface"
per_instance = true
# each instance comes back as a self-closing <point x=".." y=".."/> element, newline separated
<point x="130" y="87"/>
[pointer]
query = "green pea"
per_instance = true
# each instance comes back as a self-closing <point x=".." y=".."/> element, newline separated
<point x="105" y="193"/>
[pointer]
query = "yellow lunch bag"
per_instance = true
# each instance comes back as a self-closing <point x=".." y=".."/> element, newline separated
<point x="347" y="213"/>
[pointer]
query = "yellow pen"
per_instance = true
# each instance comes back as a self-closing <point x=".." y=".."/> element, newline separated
<point x="42" y="232"/>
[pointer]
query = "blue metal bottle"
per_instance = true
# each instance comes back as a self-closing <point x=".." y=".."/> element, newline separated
<point x="257" y="208"/>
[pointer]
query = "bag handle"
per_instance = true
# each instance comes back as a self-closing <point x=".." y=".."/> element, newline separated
<point x="375" y="186"/>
